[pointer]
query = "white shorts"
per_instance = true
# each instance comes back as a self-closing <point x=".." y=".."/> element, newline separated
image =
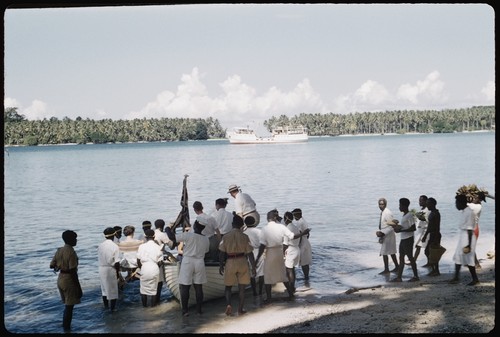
<point x="192" y="271"/>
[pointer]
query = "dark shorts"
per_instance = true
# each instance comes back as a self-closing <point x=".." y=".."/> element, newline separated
<point x="406" y="246"/>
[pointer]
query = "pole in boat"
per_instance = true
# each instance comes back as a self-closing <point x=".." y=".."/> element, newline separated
<point x="183" y="217"/>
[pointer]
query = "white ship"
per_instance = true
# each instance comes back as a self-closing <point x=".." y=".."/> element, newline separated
<point x="286" y="134"/>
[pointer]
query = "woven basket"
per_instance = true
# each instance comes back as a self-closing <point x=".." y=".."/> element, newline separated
<point x="435" y="253"/>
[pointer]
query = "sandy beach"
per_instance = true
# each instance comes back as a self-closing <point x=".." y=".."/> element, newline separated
<point x="428" y="306"/>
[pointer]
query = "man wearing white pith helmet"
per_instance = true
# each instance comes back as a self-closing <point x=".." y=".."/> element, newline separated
<point x="244" y="205"/>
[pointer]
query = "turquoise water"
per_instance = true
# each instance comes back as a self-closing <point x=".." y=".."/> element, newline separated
<point x="336" y="181"/>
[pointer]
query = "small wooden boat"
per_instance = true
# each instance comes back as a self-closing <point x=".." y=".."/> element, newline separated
<point x="213" y="289"/>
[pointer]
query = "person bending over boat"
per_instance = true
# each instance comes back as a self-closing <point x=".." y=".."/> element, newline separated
<point x="236" y="252"/>
<point x="244" y="205"/>
<point x="192" y="269"/>
<point x="128" y="246"/>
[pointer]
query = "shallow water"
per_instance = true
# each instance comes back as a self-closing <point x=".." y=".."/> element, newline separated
<point x="335" y="181"/>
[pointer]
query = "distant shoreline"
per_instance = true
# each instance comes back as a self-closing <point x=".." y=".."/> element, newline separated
<point x="216" y="139"/>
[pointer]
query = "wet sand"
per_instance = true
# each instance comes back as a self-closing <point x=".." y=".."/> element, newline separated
<point x="428" y="306"/>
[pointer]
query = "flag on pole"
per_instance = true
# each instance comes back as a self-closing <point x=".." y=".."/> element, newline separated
<point x="183" y="217"/>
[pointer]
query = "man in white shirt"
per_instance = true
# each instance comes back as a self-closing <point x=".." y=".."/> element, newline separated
<point x="223" y="217"/>
<point x="466" y="245"/>
<point x="149" y="255"/>
<point x="192" y="270"/>
<point x="407" y="239"/>
<point x="476" y="207"/>
<point x="271" y="240"/>
<point x="244" y="205"/>
<point x="211" y="231"/>
<point x="387" y="237"/>
<point x="109" y="269"/>
<point x="161" y="238"/>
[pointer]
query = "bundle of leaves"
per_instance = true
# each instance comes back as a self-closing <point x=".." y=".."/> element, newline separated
<point x="418" y="214"/>
<point x="471" y="191"/>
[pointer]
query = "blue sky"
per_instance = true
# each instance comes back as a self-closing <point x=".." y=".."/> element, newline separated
<point x="243" y="64"/>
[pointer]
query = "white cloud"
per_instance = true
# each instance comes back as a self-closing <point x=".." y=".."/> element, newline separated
<point x="101" y="114"/>
<point x="429" y="91"/>
<point x="37" y="110"/>
<point x="238" y="102"/>
<point x="371" y="93"/>
<point x="369" y="97"/>
<point x="489" y="91"/>
<point x="11" y="103"/>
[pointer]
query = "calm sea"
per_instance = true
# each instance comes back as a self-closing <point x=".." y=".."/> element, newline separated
<point x="335" y="181"/>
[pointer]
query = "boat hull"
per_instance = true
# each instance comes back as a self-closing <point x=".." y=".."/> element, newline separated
<point x="213" y="289"/>
<point x="270" y="140"/>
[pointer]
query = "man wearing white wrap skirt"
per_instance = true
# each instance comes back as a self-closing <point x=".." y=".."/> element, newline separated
<point x="292" y="249"/>
<point x="161" y="238"/>
<point x="271" y="240"/>
<point x="422" y="223"/>
<point x="244" y="205"/>
<point x="253" y="233"/>
<point x="387" y="237"/>
<point x="304" y="244"/>
<point x="476" y="207"/>
<point x="109" y="269"/>
<point x="149" y="255"/>
<point x="466" y="245"/>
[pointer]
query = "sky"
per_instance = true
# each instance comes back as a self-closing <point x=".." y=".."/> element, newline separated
<point x="243" y="64"/>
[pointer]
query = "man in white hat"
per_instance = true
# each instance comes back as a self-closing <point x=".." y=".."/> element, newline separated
<point x="244" y="205"/>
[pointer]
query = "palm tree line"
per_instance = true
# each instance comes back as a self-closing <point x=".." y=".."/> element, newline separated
<point x="20" y="131"/>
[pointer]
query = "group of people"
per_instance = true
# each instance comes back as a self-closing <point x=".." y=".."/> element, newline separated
<point x="259" y="256"/>
<point x="421" y="230"/>
<point x="246" y="254"/>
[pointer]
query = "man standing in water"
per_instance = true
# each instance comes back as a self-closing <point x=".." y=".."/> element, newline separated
<point x="387" y="237"/>
<point x="305" y="246"/>
<point x="149" y="257"/>
<point x="109" y="269"/>
<point x="65" y="261"/>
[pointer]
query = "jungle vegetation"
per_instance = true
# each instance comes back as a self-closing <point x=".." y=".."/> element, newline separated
<point x="20" y="131"/>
